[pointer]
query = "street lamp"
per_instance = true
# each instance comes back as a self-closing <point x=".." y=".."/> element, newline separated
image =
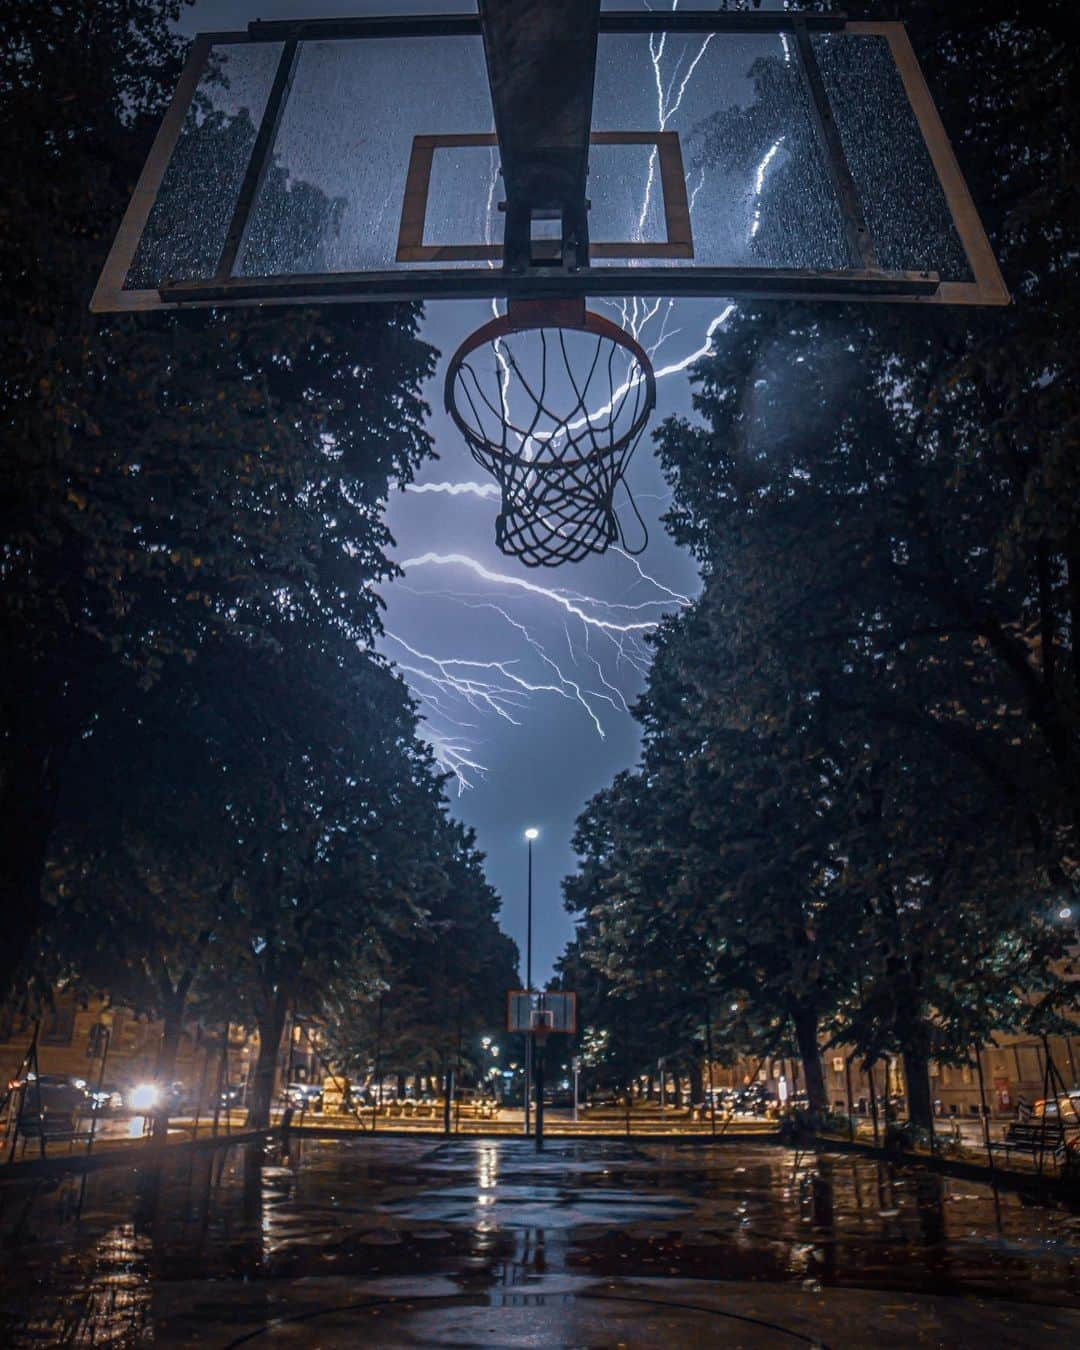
<point x="530" y="835"/>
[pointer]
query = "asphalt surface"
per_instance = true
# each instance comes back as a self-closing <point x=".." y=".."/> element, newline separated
<point x="416" y="1242"/>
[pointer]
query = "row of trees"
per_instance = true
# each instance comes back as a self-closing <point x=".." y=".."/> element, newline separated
<point x="212" y="793"/>
<point x="856" y="814"/>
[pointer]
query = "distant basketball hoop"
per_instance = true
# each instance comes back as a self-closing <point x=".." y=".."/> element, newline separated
<point x="543" y="1014"/>
<point x="552" y="401"/>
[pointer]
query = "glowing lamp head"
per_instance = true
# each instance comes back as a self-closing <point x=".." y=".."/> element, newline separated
<point x="531" y="834"/>
<point x="145" y="1097"/>
<point x="1065" y="913"/>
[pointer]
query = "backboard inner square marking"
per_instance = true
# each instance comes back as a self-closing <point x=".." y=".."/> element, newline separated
<point x="678" y="242"/>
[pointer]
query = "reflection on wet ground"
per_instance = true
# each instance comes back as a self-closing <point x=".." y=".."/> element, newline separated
<point x="485" y="1242"/>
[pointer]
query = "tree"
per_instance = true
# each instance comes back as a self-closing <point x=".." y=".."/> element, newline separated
<point x="330" y="807"/>
<point x="139" y="883"/>
<point x="922" y="465"/>
<point x="167" y="480"/>
<point x="440" y="982"/>
<point x="859" y="776"/>
<point x="917" y="471"/>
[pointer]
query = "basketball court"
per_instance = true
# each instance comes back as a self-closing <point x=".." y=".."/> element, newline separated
<point x="398" y="1242"/>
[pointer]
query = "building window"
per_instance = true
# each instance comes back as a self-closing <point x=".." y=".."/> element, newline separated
<point x="59" y="1025"/>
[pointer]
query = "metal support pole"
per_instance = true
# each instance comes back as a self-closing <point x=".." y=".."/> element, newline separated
<point x="1047" y="1085"/>
<point x="448" y="1095"/>
<point x="376" y="1096"/>
<point x="221" y="1078"/>
<point x="17" y="1099"/>
<point x="847" y="1085"/>
<point x="709" y="1052"/>
<point x="97" y="1100"/>
<point x="528" y="935"/>
<point x="983" y="1108"/>
<point x="539" y="1096"/>
<point x="527" y="1128"/>
<point x="37" y="1081"/>
<point x="873" y="1101"/>
<point x="528" y="985"/>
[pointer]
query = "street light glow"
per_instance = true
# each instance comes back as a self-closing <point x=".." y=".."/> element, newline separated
<point x="1066" y="913"/>
<point x="532" y="833"/>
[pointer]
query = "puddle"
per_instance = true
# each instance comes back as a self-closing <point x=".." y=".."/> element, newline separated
<point x="102" y="1263"/>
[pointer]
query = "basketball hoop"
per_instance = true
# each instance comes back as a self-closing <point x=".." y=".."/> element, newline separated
<point x="552" y="401"/>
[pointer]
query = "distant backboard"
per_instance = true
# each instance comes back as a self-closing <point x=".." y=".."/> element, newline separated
<point x="765" y="154"/>
<point x="546" y="1012"/>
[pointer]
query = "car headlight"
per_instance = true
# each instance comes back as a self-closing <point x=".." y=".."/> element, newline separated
<point x="145" y="1096"/>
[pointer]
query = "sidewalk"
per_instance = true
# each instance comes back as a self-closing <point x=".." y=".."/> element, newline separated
<point x="128" y="1135"/>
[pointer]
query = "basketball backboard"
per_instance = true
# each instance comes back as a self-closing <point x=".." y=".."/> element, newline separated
<point x="547" y="1012"/>
<point x="767" y="154"/>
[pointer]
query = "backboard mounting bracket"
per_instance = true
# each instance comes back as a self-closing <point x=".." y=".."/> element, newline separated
<point x="541" y="61"/>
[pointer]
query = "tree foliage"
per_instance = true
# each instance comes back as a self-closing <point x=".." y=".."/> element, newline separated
<point x="168" y="480"/>
<point x="857" y="806"/>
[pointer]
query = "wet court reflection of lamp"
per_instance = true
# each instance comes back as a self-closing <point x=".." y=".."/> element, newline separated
<point x="530" y="834"/>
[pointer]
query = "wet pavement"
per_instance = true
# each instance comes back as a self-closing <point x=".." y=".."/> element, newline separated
<point x="403" y="1242"/>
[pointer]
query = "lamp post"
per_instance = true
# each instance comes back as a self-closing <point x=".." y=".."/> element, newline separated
<point x="530" y="834"/>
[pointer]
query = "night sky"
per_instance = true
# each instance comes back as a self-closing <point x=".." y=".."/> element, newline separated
<point x="523" y="756"/>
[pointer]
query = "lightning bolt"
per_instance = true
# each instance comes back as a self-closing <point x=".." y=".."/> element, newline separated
<point x="604" y="640"/>
<point x="556" y="596"/>
<point x="484" y="490"/>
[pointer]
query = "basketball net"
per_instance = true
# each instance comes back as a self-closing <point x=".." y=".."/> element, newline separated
<point x="552" y="401"/>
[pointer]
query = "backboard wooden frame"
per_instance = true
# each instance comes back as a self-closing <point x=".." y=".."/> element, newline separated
<point x="409" y="283"/>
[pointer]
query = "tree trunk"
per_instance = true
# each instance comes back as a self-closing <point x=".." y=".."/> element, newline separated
<point x="804" y="1018"/>
<point x="165" y="1068"/>
<point x="917" y="1075"/>
<point x="271" y="1029"/>
<point x="697" y="1084"/>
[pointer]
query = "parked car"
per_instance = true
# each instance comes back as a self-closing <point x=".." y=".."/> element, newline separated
<point x="181" y="1099"/>
<point x="304" y="1096"/>
<point x="752" y="1099"/>
<point x="1065" y="1107"/>
<point x="106" y="1099"/>
<point x="51" y="1103"/>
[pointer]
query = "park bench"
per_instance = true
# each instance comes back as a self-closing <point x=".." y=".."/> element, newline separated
<point x="1034" y="1137"/>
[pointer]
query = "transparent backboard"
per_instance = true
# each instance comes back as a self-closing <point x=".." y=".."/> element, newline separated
<point x="555" y="1011"/>
<point x="357" y="160"/>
